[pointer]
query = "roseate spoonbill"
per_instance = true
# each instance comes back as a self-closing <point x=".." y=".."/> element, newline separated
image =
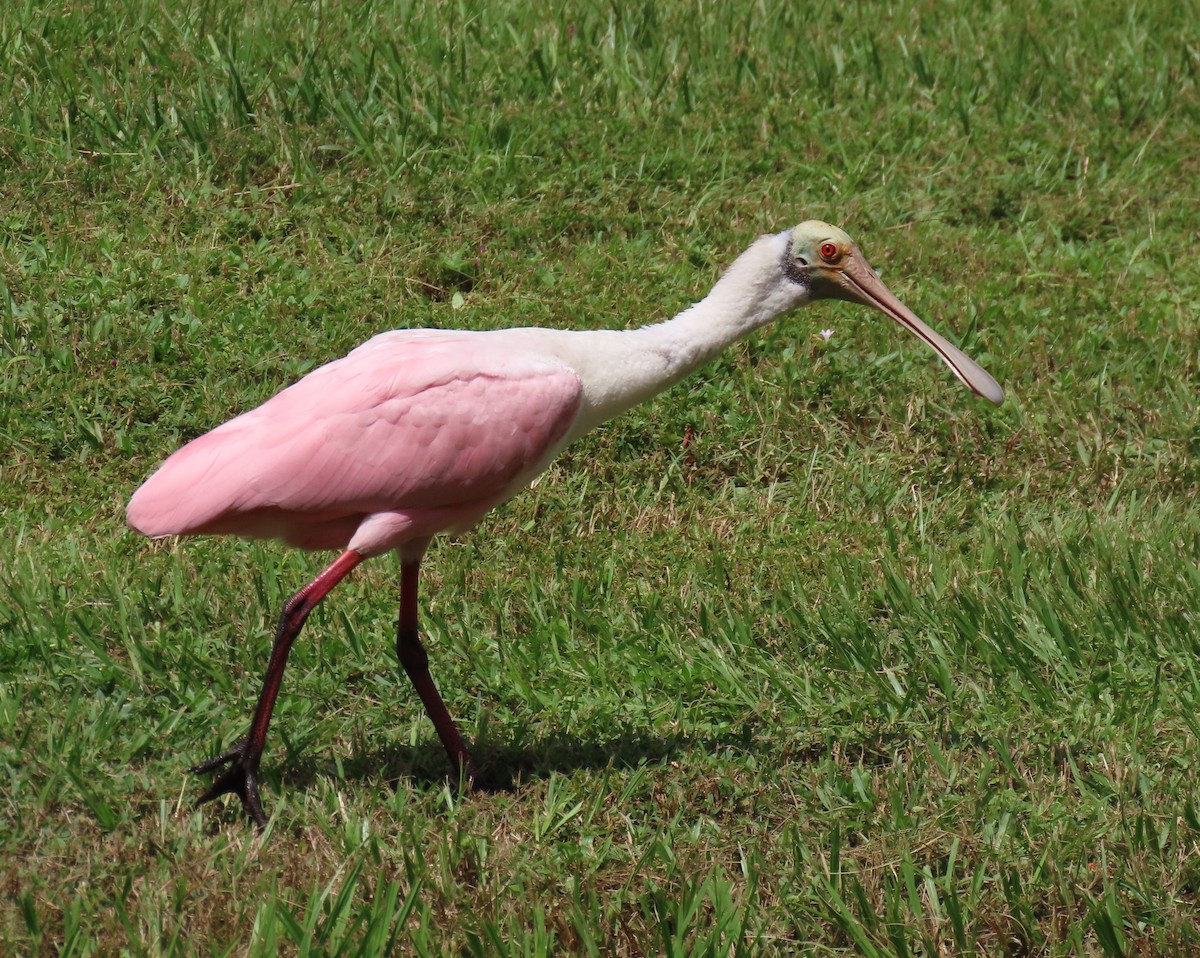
<point x="422" y="431"/>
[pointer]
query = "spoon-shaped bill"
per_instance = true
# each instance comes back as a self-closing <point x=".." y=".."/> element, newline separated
<point x="864" y="286"/>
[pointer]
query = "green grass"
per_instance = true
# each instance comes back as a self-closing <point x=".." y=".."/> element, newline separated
<point x="812" y="655"/>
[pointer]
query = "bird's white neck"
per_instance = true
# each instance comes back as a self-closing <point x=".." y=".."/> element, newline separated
<point x="621" y="369"/>
<point x="751" y="293"/>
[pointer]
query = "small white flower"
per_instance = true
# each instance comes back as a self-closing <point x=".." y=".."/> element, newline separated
<point x="826" y="334"/>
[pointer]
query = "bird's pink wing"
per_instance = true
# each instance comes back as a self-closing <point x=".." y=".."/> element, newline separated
<point x="403" y="423"/>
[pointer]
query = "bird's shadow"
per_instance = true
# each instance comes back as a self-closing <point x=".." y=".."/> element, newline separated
<point x="506" y="767"/>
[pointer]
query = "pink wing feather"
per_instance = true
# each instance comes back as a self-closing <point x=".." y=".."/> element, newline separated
<point x="442" y="424"/>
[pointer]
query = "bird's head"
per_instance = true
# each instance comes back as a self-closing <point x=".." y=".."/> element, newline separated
<point x="825" y="261"/>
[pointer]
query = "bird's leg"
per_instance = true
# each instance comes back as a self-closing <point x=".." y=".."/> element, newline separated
<point x="413" y="657"/>
<point x="242" y="775"/>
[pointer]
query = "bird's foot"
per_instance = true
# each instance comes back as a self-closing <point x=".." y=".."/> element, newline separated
<point x="240" y="778"/>
<point x="473" y="782"/>
<point x="492" y="784"/>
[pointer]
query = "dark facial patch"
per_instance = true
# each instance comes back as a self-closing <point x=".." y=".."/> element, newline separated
<point x="794" y="270"/>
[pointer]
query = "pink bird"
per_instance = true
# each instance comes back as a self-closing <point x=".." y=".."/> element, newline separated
<point x="418" y="432"/>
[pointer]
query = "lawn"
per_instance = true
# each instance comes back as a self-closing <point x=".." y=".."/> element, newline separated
<point x="813" y="654"/>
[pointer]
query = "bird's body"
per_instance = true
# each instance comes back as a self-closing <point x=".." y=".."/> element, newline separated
<point x="418" y="432"/>
<point x="407" y="436"/>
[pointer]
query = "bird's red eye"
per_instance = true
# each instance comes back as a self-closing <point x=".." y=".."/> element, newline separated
<point x="829" y="251"/>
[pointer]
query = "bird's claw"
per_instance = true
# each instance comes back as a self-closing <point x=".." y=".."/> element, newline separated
<point x="240" y="778"/>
